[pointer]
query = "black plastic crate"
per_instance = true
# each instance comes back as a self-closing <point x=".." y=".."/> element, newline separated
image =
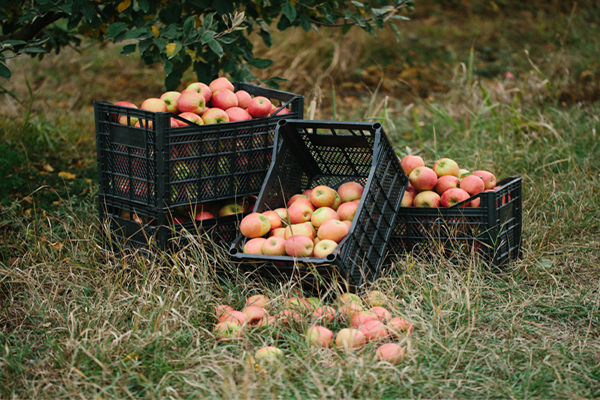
<point x="312" y="153"/>
<point x="130" y="227"/>
<point x="163" y="167"/>
<point x="491" y="231"/>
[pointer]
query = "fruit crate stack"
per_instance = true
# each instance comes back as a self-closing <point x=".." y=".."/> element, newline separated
<point x="151" y="176"/>
<point x="330" y="153"/>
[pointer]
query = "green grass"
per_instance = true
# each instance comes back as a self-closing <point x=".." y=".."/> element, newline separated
<point x="77" y="321"/>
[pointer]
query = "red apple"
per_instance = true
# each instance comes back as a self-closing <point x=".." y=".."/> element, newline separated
<point x="324" y="313"/>
<point x="259" y="107"/>
<point x="170" y="99"/>
<point x="322" y="196"/>
<point x="215" y="116"/>
<point x="375" y="298"/>
<point x="296" y="197"/>
<point x="224" y="99"/>
<point x="350" y="191"/>
<point x="410" y="189"/>
<point x="255" y="225"/>
<point x="276" y="111"/>
<point x="254" y="246"/>
<point x="333" y="230"/>
<point x="254" y="314"/>
<point x="446" y="182"/>
<point x="202" y="215"/>
<point x="399" y="327"/>
<point x="407" y="199"/>
<point x="237" y="114"/>
<point x="278" y="232"/>
<point x="122" y="119"/>
<point x="390" y="352"/>
<point x="427" y="198"/>
<point x="299" y="212"/>
<point x="454" y="196"/>
<point x="259" y="300"/>
<point x="221" y="83"/>
<point x="350" y="298"/>
<point x="234" y="316"/>
<point x="346" y="211"/>
<point x="274" y="219"/>
<point x="299" y="246"/>
<point x="244" y="98"/>
<point x="319" y="336"/>
<point x="374" y="330"/>
<point x="382" y="313"/>
<point x="282" y="212"/>
<point x="324" y="247"/>
<point x="409" y="163"/>
<point x="299" y="229"/>
<point x="192" y="102"/>
<point x="350" y="339"/>
<point x="488" y="178"/>
<point x="321" y="215"/>
<point x="201" y="88"/>
<point x="274" y="246"/>
<point x="423" y="178"/>
<point x="222" y="309"/>
<point x="462" y="173"/>
<point x="361" y="317"/>
<point x="472" y="184"/>
<point x="446" y="166"/>
<point x="348" y="310"/>
<point x="230" y="209"/>
<point x="195" y="118"/>
<point x="154" y="104"/>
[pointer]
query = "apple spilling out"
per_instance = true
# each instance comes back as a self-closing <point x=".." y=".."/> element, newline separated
<point x="310" y="224"/>
<point x="445" y="184"/>
<point x="201" y="104"/>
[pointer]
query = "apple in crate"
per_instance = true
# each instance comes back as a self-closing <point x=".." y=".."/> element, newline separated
<point x="350" y="191"/>
<point x="407" y="199"/>
<point x="279" y="111"/>
<point x="255" y="225"/>
<point x="324" y="247"/>
<point x="446" y="182"/>
<point x="191" y="101"/>
<point x="195" y="118"/>
<point x="201" y="88"/>
<point x="409" y="163"/>
<point x="321" y="215"/>
<point x="122" y="119"/>
<point x="254" y="246"/>
<point x="487" y="177"/>
<point x="237" y="114"/>
<point x="300" y="212"/>
<point x="454" y="196"/>
<point x="224" y="99"/>
<point x="230" y="209"/>
<point x="346" y="211"/>
<point x="274" y="246"/>
<point x="274" y="219"/>
<point x="202" y="215"/>
<point x="299" y="246"/>
<point x="154" y="104"/>
<point x="472" y="184"/>
<point x="170" y="99"/>
<point x="243" y="98"/>
<point x="446" y="166"/>
<point x="322" y="196"/>
<point x="428" y="198"/>
<point x="259" y="107"/>
<point x="299" y="229"/>
<point x="423" y="178"/>
<point x="215" y="116"/>
<point x="221" y="83"/>
<point x="333" y="230"/>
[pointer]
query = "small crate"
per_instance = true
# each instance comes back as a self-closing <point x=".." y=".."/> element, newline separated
<point x="128" y="227"/>
<point x="491" y="231"/>
<point x="312" y="153"/>
<point x="162" y="167"/>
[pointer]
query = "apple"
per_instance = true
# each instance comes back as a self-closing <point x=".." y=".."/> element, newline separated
<point x="234" y="316"/>
<point x="361" y="317"/>
<point x="399" y="327"/>
<point x="375" y="298"/>
<point x="170" y="99"/>
<point x="194" y="118"/>
<point x="221" y="83"/>
<point x="350" y="298"/>
<point x="298" y="304"/>
<point x="202" y="215"/>
<point x="427" y="198"/>
<point x="410" y="189"/>
<point x="131" y="216"/>
<point x="276" y="111"/>
<point x="259" y="300"/>
<point x="299" y="246"/>
<point x="348" y="310"/>
<point x="224" y="99"/>
<point x="454" y="196"/>
<point x="299" y="229"/>
<point x="299" y="212"/>
<point x="324" y="313"/>
<point x="283" y="215"/>
<point x="268" y="354"/>
<point x="338" y="201"/>
<point x="122" y="119"/>
<point x="237" y="114"/>
<point x="302" y="200"/>
<point x="192" y="102"/>
<point x="255" y="225"/>
<point x="319" y="336"/>
<point x="350" y="191"/>
<point x="407" y="199"/>
<point x="446" y="182"/>
<point x="348" y="224"/>
<point x="321" y="215"/>
<point x="243" y="98"/>
<point x="382" y="313"/>
<point x="307" y="193"/>
<point x="227" y="330"/>
<point x="315" y="302"/>
<point x="390" y="352"/>
<point x="201" y="88"/>
<point x="487" y="177"/>
<point x="409" y="163"/>
<point x="230" y="209"/>
<point x="222" y="309"/>
<point x="215" y="116"/>
<point x="446" y="166"/>
<point x="289" y="317"/>
<point x="333" y="230"/>
<point x="462" y="173"/>
<point x="324" y="247"/>
<point x="423" y="178"/>
<point x="273" y="218"/>
<point x="268" y="321"/>
<point x="154" y="104"/>
<point x="295" y="197"/>
<point x="254" y="314"/>
<point x="278" y="232"/>
<point x="472" y="184"/>
<point x="274" y="246"/>
<point x="475" y="202"/>
<point x="350" y="339"/>
<point x="254" y="245"/>
<point x="374" y="330"/>
<point x="346" y="211"/>
<point x="322" y="196"/>
<point x="259" y="107"/>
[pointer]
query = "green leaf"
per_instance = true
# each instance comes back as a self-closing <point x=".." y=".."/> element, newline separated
<point x="188" y="26"/>
<point x="139" y="33"/>
<point x="216" y="47"/>
<point x="34" y="49"/>
<point x="144" y="5"/>
<point x="4" y="71"/>
<point x="128" y="49"/>
<point x="115" y="29"/>
<point x="229" y="39"/>
<point x="272" y="82"/>
<point x="14" y="42"/>
<point x="395" y="29"/>
<point x="289" y="11"/>
<point x="207" y="36"/>
<point x="261" y="63"/>
<point x="305" y="23"/>
<point x="208" y="21"/>
<point x="358" y="4"/>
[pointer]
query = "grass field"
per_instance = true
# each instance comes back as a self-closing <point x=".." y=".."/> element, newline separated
<point x="77" y="322"/>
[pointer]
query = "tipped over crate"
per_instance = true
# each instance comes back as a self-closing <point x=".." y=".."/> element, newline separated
<point x="491" y="231"/>
<point x="312" y="153"/>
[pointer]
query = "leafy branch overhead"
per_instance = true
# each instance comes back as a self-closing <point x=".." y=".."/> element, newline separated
<point x="208" y="36"/>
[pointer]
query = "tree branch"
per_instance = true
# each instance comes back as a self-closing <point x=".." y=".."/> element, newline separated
<point x="30" y="30"/>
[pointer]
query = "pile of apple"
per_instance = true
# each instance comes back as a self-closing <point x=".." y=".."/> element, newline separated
<point x="201" y="104"/>
<point x="445" y="184"/>
<point x="311" y="224"/>
<point x="358" y="321"/>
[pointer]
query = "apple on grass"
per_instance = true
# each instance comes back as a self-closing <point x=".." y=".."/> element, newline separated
<point x="428" y="198"/>
<point x="362" y="317"/>
<point x="227" y="330"/>
<point x="192" y="102"/>
<point x="350" y="298"/>
<point x="268" y="354"/>
<point x="255" y="225"/>
<point x="274" y="246"/>
<point x="324" y="247"/>
<point x="409" y="163"/>
<point x="349" y="339"/>
<point x="319" y="336"/>
<point x="243" y="98"/>
<point x="350" y="191"/>
<point x="221" y="83"/>
<point x="348" y="310"/>
<point x="322" y="196"/>
<point x="423" y="178"/>
<point x="215" y="116"/>
<point x="170" y="99"/>
<point x="333" y="230"/>
<point x="324" y="313"/>
<point x="454" y="196"/>
<point x="382" y="313"/>
<point x="259" y="107"/>
<point x="390" y="352"/>
<point x="399" y="327"/>
<point x="374" y="330"/>
<point x="375" y="298"/>
<point x="254" y="314"/>
<point x="254" y="246"/>
<point x="222" y="309"/>
<point x="446" y="166"/>
<point x="259" y="300"/>
<point x="299" y="246"/>
<point x="234" y="316"/>
<point x="321" y="215"/>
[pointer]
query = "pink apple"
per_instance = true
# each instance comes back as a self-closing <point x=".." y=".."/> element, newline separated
<point x="273" y="219"/>
<point x="192" y="102"/>
<point x="307" y="193"/>
<point x="259" y="300"/>
<point x="350" y="339"/>
<point x="319" y="336"/>
<point x="487" y="177"/>
<point x="454" y="196"/>
<point x="202" y="215"/>
<point x="374" y="330"/>
<point x="282" y="212"/>
<point x="215" y="116"/>
<point x="296" y="197"/>
<point x="279" y="232"/>
<point x="476" y="202"/>
<point x="462" y="173"/>
<point x="348" y="310"/>
<point x="170" y="99"/>
<point x="333" y="230"/>
<point x="409" y="163"/>
<point x="201" y="88"/>
<point x="399" y="327"/>
<point x="346" y="211"/>
<point x="298" y="229"/>
<point x="268" y="354"/>
<point x="194" y="118"/>
<point x="348" y="224"/>
<point x="382" y="313"/>
<point x="423" y="178"/>
<point x="299" y="212"/>
<point x="324" y="313"/>
<point x="446" y="182"/>
<point x="446" y="166"/>
<point x="299" y="246"/>
<point x="407" y="199"/>
<point x="274" y="246"/>
<point x="375" y="298"/>
<point x="428" y="198"/>
<point x="255" y="225"/>
<point x="350" y="298"/>
<point x="321" y="215"/>
<point x="254" y="314"/>
<point x="122" y="119"/>
<point x="276" y="111"/>
<point x="154" y="104"/>
<point x="338" y="201"/>
<point x="230" y="209"/>
<point x="224" y="99"/>
<point x="259" y="107"/>
<point x="244" y="98"/>
<point x="237" y="114"/>
<point x="222" y="309"/>
<point x="227" y="330"/>
<point x="410" y="189"/>
<point x="302" y="200"/>
<point x="322" y="196"/>
<point x="324" y="247"/>
<point x="221" y="83"/>
<point x="361" y="317"/>
<point x="289" y="317"/>
<point x="234" y="316"/>
<point x="390" y="352"/>
<point x="254" y="246"/>
<point x="350" y="191"/>
<point x="298" y="304"/>
<point x="472" y="184"/>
